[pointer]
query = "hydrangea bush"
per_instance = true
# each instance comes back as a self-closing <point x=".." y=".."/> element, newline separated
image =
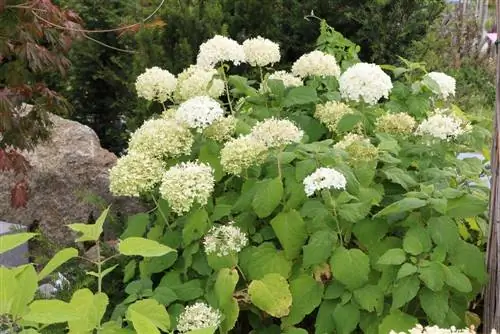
<point x="325" y="199"/>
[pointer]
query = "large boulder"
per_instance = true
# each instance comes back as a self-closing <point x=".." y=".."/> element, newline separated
<point x="66" y="169"/>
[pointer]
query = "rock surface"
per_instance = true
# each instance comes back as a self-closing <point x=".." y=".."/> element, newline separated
<point x="66" y="168"/>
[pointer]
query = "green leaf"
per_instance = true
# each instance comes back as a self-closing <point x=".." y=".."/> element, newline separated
<point x="143" y="247"/>
<point x="264" y="259"/>
<point x="354" y="212"/>
<point x="324" y="320"/>
<point x="271" y="294"/>
<point x="267" y="197"/>
<point x="129" y="271"/>
<point x="319" y="248"/>
<point x="370" y="232"/>
<point x="306" y="297"/>
<point x="404" y="291"/>
<point x="346" y="318"/>
<point x="164" y="295"/>
<point x="435" y="305"/>
<point x="401" y="177"/>
<point x="112" y="327"/>
<point x="417" y="240"/>
<point x="351" y="267"/>
<point x="467" y="206"/>
<point x="10" y="241"/>
<point x="57" y="260"/>
<point x="444" y="231"/>
<point x="189" y="290"/>
<point x="210" y="330"/>
<point x="388" y="143"/>
<point x="370" y="298"/>
<point x="291" y="232"/>
<point x="470" y="260"/>
<point x="90" y="232"/>
<point x="404" y="205"/>
<point x="148" y="311"/>
<point x="406" y="269"/>
<point x="22" y="288"/>
<point x="210" y="153"/>
<point x="334" y="290"/>
<point x="219" y="262"/>
<point x="304" y="168"/>
<point x="456" y="279"/>
<point x="393" y="256"/>
<point x="221" y="211"/>
<point x="91" y="309"/>
<point x="196" y="226"/>
<point x="136" y="226"/>
<point x="300" y="95"/>
<point x="432" y="276"/>
<point x="231" y="312"/>
<point x="51" y="311"/>
<point x="295" y="331"/>
<point x="224" y="286"/>
<point x="348" y="122"/>
<point x="397" y="321"/>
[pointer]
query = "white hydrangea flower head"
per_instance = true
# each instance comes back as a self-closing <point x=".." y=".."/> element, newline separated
<point x="331" y="112"/>
<point x="199" y="112"/>
<point x="399" y="123"/>
<point x="156" y="84"/>
<point x="220" y="49"/>
<point x="324" y="178"/>
<point x="288" y="79"/>
<point x="187" y="183"/>
<point x="365" y="82"/>
<point x="223" y="240"/>
<point x="261" y="51"/>
<point x="162" y="138"/>
<point x="358" y="147"/>
<point x="135" y="174"/>
<point x="275" y="132"/>
<point x="198" y="81"/>
<point x="222" y="129"/>
<point x="442" y="125"/>
<point x="446" y="83"/>
<point x="419" y="329"/>
<point x="316" y="63"/>
<point x="241" y="153"/>
<point x="198" y="316"/>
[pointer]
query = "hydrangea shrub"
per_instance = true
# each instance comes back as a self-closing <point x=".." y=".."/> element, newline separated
<point x="326" y="199"/>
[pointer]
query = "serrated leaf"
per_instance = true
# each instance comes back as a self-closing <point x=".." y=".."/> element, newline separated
<point x="300" y="95"/>
<point x="90" y="232"/>
<point x="470" y="260"/>
<point x="348" y="122"/>
<point x="271" y="294"/>
<point x="306" y="297"/>
<point x="57" y="260"/>
<point x="350" y="267"/>
<point x="91" y="309"/>
<point x="404" y="291"/>
<point x="406" y="269"/>
<point x="256" y="262"/>
<point x="346" y="318"/>
<point x="143" y="247"/>
<point x="466" y="206"/>
<point x="393" y="256"/>
<point x="404" y="205"/>
<point x="370" y="298"/>
<point x="291" y="232"/>
<point x="444" y="231"/>
<point x="397" y="321"/>
<point x="417" y="240"/>
<point x="145" y="312"/>
<point x="456" y="279"/>
<point x="401" y="177"/>
<point x="324" y="320"/>
<point x="129" y="271"/>
<point x="268" y="197"/>
<point x="432" y="276"/>
<point x="319" y="248"/>
<point x="435" y="305"/>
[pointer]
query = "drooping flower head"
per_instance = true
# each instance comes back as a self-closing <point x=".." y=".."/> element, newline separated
<point x="445" y="84"/>
<point x="276" y="132"/>
<point x="162" y="138"/>
<point x="187" y="183"/>
<point x="135" y="174"/>
<point x="221" y="129"/>
<point x="358" y="147"/>
<point x="198" y="81"/>
<point x="198" y="316"/>
<point x="331" y="112"/>
<point x="156" y="84"/>
<point x="241" y="153"/>
<point x="365" y="82"/>
<point x="442" y="125"/>
<point x="324" y="178"/>
<point x="316" y="63"/>
<point x="199" y="112"/>
<point x="223" y="240"/>
<point x="220" y="49"/>
<point x="288" y="79"/>
<point x="397" y="124"/>
<point x="261" y="52"/>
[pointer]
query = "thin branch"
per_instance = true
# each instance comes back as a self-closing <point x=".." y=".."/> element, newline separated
<point x="107" y="45"/>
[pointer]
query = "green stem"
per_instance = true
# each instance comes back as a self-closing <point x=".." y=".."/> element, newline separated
<point x="161" y="212"/>
<point x="334" y="214"/>
<point x="261" y="75"/>
<point x="99" y="267"/>
<point x="226" y="86"/>
<point x="279" y="165"/>
<point x="241" y="272"/>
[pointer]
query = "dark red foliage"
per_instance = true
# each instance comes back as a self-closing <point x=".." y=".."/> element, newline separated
<point x="19" y="194"/>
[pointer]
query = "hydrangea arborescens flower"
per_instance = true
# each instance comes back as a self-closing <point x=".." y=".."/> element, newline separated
<point x="288" y="79"/>
<point x="185" y="184"/>
<point x="442" y="125"/>
<point x="365" y="82"/>
<point x="399" y="123"/>
<point x="134" y="174"/>
<point x="241" y="153"/>
<point x="223" y="240"/>
<point x="199" y="112"/>
<point x="220" y="49"/>
<point x="198" y="81"/>
<point x="358" y="147"/>
<point x="261" y="52"/>
<point x="331" y="112"/>
<point x="221" y="129"/>
<point x="198" y="316"/>
<point x="316" y="63"/>
<point x="276" y="132"/>
<point x="156" y="84"/>
<point x="419" y="329"/>
<point x="324" y="178"/>
<point x="162" y="138"/>
<point x="446" y="85"/>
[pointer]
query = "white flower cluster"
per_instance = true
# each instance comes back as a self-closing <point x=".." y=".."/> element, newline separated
<point x="261" y="51"/>
<point x="331" y="112"/>
<point x="187" y="183"/>
<point x="199" y="112"/>
<point x="366" y="82"/>
<point x="161" y="138"/>
<point x="198" y="81"/>
<point x="198" y="316"/>
<point x="221" y="129"/>
<point x="276" y="132"/>
<point x="288" y="79"/>
<point x="224" y="240"/>
<point x="399" y="123"/>
<point x="445" y="83"/>
<point x="441" y="126"/>
<point x="358" y="147"/>
<point x="316" y="63"/>
<point x="135" y="174"/>
<point x="156" y="84"/>
<point x="241" y="153"/>
<point x="324" y="178"/>
<point x="419" y="329"/>
<point x="220" y="49"/>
